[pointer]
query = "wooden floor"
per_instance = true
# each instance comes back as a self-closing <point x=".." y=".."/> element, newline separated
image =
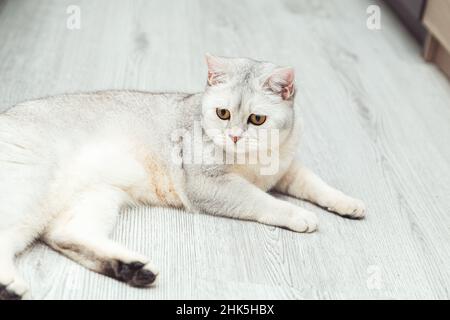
<point x="377" y="125"/>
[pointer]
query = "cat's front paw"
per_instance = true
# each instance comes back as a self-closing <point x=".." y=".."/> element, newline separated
<point x="348" y="207"/>
<point x="303" y="221"/>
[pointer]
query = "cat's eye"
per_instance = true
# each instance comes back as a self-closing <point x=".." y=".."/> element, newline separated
<point x="223" y="114"/>
<point x="257" y="119"/>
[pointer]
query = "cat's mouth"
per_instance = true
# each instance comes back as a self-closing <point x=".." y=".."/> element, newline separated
<point x="246" y="144"/>
<point x="241" y="146"/>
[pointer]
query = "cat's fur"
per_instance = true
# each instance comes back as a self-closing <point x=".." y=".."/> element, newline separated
<point x="69" y="163"/>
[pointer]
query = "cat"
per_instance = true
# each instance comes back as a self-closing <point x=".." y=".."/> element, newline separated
<point x="69" y="163"/>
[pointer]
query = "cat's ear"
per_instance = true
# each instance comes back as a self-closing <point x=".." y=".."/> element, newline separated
<point x="281" y="81"/>
<point x="217" y="69"/>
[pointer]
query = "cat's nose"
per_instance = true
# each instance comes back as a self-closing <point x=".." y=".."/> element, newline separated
<point x="234" y="138"/>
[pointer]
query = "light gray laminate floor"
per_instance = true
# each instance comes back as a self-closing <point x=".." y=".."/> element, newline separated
<point x="377" y="125"/>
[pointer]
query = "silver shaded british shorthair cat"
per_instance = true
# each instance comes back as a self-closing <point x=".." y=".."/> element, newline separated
<point x="69" y="163"/>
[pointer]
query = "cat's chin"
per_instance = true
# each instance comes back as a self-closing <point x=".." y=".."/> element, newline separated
<point x="231" y="149"/>
<point x="238" y="148"/>
<point x="247" y="149"/>
<point x="244" y="151"/>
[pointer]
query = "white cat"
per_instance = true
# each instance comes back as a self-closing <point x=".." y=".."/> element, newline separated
<point x="69" y="163"/>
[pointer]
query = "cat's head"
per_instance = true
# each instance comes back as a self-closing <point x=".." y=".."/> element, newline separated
<point x="246" y="101"/>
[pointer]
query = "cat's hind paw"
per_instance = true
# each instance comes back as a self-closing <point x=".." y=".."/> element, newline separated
<point x="136" y="274"/>
<point x="16" y="290"/>
<point x="349" y="207"/>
